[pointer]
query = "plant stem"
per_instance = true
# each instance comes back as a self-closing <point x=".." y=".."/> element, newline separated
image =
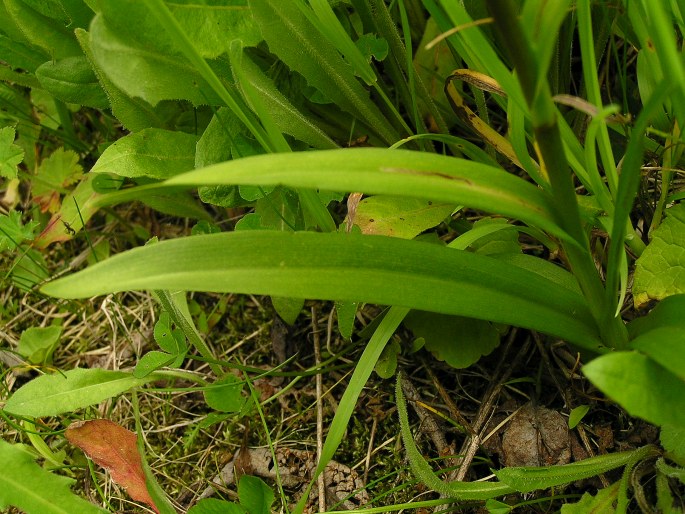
<point x="545" y="126"/>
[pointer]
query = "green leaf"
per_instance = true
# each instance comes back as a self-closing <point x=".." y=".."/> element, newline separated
<point x="665" y="346"/>
<point x="213" y="26"/>
<point x="214" y="506"/>
<point x="52" y="35"/>
<point x="215" y="144"/>
<point x="134" y="113"/>
<point x="10" y="154"/>
<point x="152" y="153"/>
<point x="673" y="440"/>
<point x="387" y="362"/>
<point x="278" y="210"/>
<point x="225" y="394"/>
<point x="171" y="341"/>
<point x="152" y="361"/>
<point x="13" y="232"/>
<point x="668" y="312"/>
<point x="497" y="507"/>
<point x="398" y="216"/>
<point x="602" y="503"/>
<point x="288" y="308"/>
<point x="286" y="117"/>
<point x="576" y="416"/>
<point x="145" y="72"/>
<point x="372" y="46"/>
<point x="346" y="313"/>
<point x="180" y="204"/>
<point x="640" y="386"/>
<point x="496" y="242"/>
<point x="458" y="341"/>
<point x="384" y="270"/>
<point x="389" y="172"/>
<point x="658" y="271"/>
<point x="18" y="55"/>
<point x="290" y="35"/>
<point x="72" y="80"/>
<point x="55" y="174"/>
<point x="205" y="227"/>
<point x="526" y="479"/>
<point x="38" y="343"/>
<point x="388" y="323"/>
<point x="255" y="495"/>
<point x="32" y="489"/>
<point x="50" y="395"/>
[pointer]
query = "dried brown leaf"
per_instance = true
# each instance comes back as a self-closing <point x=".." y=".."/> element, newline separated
<point x="114" y="448"/>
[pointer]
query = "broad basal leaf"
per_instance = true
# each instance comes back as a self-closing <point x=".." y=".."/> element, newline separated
<point x="152" y="153"/>
<point x="49" y="395"/>
<point x="146" y="72"/>
<point x="114" y="448"/>
<point x="17" y="55"/>
<point x="659" y="270"/>
<point x="133" y="113"/>
<point x="51" y="34"/>
<point x="10" y="154"/>
<point x="30" y="488"/>
<point x="211" y="26"/>
<point x="349" y="267"/>
<point x="641" y="386"/>
<point x="72" y="80"/>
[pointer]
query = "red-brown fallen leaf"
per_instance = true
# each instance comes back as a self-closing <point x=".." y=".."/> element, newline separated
<point x="114" y="448"/>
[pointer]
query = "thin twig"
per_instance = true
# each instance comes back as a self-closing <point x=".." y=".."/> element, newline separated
<point x="369" y="450"/>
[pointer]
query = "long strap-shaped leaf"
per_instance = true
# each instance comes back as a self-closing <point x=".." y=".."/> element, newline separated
<point x="393" y="172"/>
<point x="337" y="266"/>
